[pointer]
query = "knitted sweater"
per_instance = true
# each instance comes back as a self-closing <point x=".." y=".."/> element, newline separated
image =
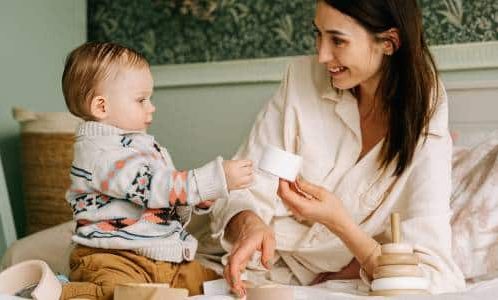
<point x="127" y="194"/>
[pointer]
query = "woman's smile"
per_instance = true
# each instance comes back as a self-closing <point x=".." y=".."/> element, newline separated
<point x="337" y="71"/>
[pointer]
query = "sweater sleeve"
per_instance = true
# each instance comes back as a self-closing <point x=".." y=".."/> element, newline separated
<point x="274" y="125"/>
<point x="145" y="179"/>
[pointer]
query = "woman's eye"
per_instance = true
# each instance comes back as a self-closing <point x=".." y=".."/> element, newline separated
<point x="337" y="41"/>
<point x="142" y="100"/>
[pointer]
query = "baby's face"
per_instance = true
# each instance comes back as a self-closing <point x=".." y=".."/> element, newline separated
<point x="128" y="94"/>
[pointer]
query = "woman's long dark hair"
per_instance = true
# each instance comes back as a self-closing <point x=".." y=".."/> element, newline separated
<point x="409" y="82"/>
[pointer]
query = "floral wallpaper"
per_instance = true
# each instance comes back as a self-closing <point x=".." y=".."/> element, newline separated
<point x="186" y="31"/>
<point x="460" y="21"/>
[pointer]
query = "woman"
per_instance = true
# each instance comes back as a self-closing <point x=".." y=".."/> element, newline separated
<point x="370" y="121"/>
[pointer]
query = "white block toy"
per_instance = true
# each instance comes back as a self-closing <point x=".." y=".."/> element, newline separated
<point x="219" y="286"/>
<point x="280" y="163"/>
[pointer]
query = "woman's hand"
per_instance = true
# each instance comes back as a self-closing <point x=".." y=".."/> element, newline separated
<point x="313" y="203"/>
<point x="248" y="234"/>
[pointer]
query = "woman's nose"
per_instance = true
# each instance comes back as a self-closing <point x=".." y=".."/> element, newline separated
<point x="325" y="54"/>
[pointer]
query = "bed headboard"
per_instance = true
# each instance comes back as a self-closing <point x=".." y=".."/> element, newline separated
<point x="207" y="109"/>
<point x="470" y="73"/>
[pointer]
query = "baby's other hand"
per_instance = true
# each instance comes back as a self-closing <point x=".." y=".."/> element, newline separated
<point x="205" y="204"/>
<point x="238" y="173"/>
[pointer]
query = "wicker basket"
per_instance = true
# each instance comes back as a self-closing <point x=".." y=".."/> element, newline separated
<point x="47" y="153"/>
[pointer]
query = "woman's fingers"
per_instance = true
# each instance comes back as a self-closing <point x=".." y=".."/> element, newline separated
<point x="294" y="200"/>
<point x="284" y="190"/>
<point x="268" y="250"/>
<point x="254" y="235"/>
<point x="289" y="196"/>
<point x="296" y="188"/>
<point x="237" y="263"/>
<point x="226" y="271"/>
<point x="240" y="291"/>
<point x="311" y="189"/>
<point x="226" y="274"/>
<point x="285" y="193"/>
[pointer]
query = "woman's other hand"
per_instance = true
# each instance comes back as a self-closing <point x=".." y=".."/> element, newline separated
<point x="249" y="234"/>
<point x="313" y="203"/>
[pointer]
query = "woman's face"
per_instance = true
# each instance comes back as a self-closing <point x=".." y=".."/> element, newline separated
<point x="347" y="49"/>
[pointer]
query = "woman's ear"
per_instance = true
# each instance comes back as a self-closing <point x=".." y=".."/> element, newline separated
<point x="98" y="107"/>
<point x="390" y="40"/>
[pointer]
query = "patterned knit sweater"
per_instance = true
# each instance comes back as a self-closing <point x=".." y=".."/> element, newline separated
<point x="127" y="194"/>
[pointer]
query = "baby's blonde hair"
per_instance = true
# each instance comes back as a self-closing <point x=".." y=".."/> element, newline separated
<point x="88" y="66"/>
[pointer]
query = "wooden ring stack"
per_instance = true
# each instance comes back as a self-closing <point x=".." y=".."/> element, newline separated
<point x="397" y="271"/>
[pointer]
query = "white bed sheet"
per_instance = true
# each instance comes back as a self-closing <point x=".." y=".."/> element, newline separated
<point x="485" y="290"/>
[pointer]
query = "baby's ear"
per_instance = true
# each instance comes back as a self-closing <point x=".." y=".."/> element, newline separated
<point x="98" y="107"/>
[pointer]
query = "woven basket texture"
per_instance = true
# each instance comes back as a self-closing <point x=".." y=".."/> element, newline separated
<point x="46" y="163"/>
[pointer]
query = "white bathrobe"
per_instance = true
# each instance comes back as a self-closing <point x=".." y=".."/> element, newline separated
<point x="308" y="117"/>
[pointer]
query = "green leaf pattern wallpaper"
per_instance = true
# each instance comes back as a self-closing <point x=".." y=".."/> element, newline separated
<point x="188" y="31"/>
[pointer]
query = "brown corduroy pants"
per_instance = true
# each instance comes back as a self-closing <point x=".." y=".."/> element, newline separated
<point x="95" y="273"/>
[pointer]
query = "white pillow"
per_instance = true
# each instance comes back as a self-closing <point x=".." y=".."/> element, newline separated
<point x="52" y="245"/>
<point x="474" y="203"/>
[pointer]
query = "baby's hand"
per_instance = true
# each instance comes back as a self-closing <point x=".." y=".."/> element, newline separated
<point x="238" y="173"/>
<point x="205" y="204"/>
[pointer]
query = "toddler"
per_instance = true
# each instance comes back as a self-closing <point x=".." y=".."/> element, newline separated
<point x="130" y="203"/>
